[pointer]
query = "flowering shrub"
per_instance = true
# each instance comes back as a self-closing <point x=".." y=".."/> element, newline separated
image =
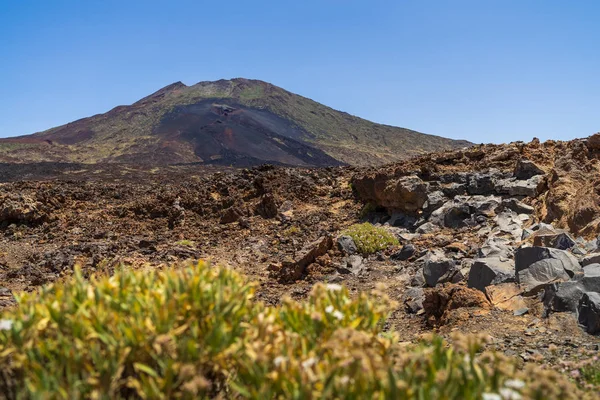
<point x="195" y="332"/>
<point x="370" y="239"/>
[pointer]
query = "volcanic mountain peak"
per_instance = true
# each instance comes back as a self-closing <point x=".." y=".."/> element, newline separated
<point x="233" y="122"/>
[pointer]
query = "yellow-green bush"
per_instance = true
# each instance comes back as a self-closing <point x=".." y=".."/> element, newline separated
<point x="370" y="239"/>
<point x="195" y="332"/>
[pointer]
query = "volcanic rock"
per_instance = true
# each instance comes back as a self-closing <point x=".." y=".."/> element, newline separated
<point x="537" y="267"/>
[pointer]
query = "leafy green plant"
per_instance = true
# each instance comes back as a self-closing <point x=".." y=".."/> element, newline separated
<point x="291" y="231"/>
<point x="590" y="373"/>
<point x="370" y="239"/>
<point x="195" y="332"/>
<point x="144" y="333"/>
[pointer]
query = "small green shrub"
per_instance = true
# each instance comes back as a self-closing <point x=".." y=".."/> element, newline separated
<point x="591" y="373"/>
<point x="291" y="231"/>
<point x="186" y="243"/>
<point x="195" y="332"/>
<point x="370" y="239"/>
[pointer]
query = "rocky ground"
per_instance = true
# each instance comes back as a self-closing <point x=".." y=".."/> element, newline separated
<point x="500" y="240"/>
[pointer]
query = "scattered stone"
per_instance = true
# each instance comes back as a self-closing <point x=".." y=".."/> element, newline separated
<point x="526" y="169"/>
<point x="407" y="237"/>
<point x="537" y="267"/>
<point x="593" y="258"/>
<point x="517" y="206"/>
<point x="20" y="209"/>
<point x="589" y="312"/>
<point x="521" y="311"/>
<point x="346" y="244"/>
<point x="413" y="299"/>
<point x="267" y="206"/>
<point x="232" y="214"/>
<point x="440" y="302"/>
<point x="293" y="270"/>
<point x="434" y="200"/>
<point x="565" y="296"/>
<point x="427" y="227"/>
<point x="482" y="183"/>
<point x="454" y="189"/>
<point x="490" y="271"/>
<point x="439" y="269"/>
<point x="6" y="298"/>
<point x="526" y="233"/>
<point x="407" y="251"/>
<point x="531" y="187"/>
<point x="496" y="247"/>
<point x="355" y="264"/>
<point x="593" y="142"/>
<point x="405" y="194"/>
<point x="418" y="280"/>
<point x="561" y="241"/>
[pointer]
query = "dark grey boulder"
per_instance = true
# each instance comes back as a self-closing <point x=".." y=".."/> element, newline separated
<point x="538" y="267"/>
<point x="593" y="258"/>
<point x="427" y="227"/>
<point x="531" y="187"/>
<point x="511" y="223"/>
<point x="578" y="251"/>
<point x="485" y="205"/>
<point x="526" y="169"/>
<point x="589" y="312"/>
<point x="482" y="183"/>
<point x="490" y="271"/>
<point x="439" y="269"/>
<point x="413" y="299"/>
<point x="496" y="247"/>
<point x="565" y="296"/>
<point x="346" y="245"/>
<point x="454" y="189"/>
<point x="591" y="278"/>
<point x="407" y="251"/>
<point x="517" y="206"/>
<point x="434" y="201"/>
<point x="457" y="215"/>
<point x="558" y="240"/>
<point x="418" y="280"/>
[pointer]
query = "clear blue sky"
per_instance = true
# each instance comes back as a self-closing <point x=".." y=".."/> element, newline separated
<point x="482" y="70"/>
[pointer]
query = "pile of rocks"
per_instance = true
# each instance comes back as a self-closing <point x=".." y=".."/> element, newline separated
<point x="516" y="258"/>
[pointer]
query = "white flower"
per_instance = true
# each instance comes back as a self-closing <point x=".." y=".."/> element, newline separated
<point x="329" y="309"/>
<point x="278" y="361"/>
<point x="491" y="396"/>
<point x="334" y="287"/>
<point x="514" y="384"/>
<point x="6" y="324"/>
<point x="509" y="394"/>
<point x="309" y="363"/>
<point x="338" y="315"/>
<point x="344" y="379"/>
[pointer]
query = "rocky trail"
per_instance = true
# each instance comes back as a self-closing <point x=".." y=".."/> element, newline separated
<point x="493" y="239"/>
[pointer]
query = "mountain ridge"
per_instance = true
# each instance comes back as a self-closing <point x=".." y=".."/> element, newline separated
<point x="224" y="121"/>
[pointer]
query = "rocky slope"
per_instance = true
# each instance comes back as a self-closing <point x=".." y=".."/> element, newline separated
<point x="236" y="122"/>
<point x="500" y="240"/>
